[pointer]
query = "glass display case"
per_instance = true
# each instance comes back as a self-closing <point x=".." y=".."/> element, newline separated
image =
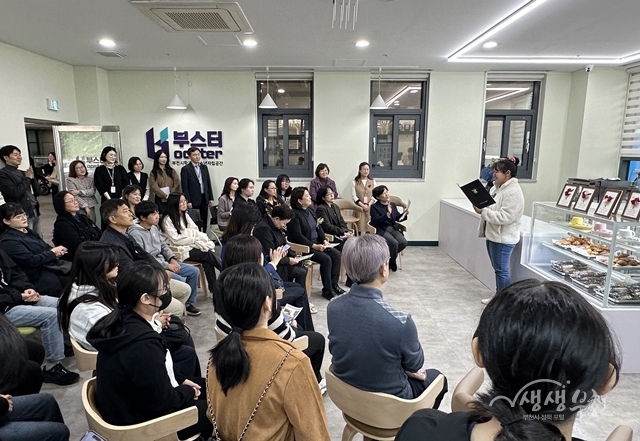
<point x="599" y="257"/>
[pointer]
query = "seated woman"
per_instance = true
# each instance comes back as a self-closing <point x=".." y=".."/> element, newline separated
<point x="225" y="201"/>
<point x="244" y="248"/>
<point x="333" y="222"/>
<point x="384" y="215"/>
<point x="72" y="227"/>
<point x="132" y="195"/>
<point x="245" y="191"/>
<point x="268" y="197"/>
<point x="533" y="325"/>
<point x="30" y="252"/>
<point x="179" y="230"/>
<point x="135" y="368"/>
<point x="252" y="360"/>
<point x="284" y="189"/>
<point x="304" y="230"/>
<point x="81" y="186"/>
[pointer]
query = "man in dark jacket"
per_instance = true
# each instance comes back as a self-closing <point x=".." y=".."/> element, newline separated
<point x="23" y="306"/>
<point x="196" y="185"/>
<point x="17" y="185"/>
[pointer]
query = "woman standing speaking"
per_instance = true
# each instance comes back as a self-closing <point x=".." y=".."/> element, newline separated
<point x="500" y="222"/>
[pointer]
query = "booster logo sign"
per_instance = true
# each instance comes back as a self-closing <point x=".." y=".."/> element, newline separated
<point x="210" y="145"/>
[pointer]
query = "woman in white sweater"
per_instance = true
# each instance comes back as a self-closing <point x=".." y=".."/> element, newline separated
<point x="500" y="222"/>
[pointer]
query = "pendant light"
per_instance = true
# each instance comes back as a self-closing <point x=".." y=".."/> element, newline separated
<point x="176" y="103"/>
<point x="378" y="103"/>
<point x="267" y="102"/>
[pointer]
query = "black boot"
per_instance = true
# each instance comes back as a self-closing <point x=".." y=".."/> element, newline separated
<point x="393" y="266"/>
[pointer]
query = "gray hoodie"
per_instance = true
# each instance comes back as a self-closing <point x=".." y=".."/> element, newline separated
<point x="152" y="243"/>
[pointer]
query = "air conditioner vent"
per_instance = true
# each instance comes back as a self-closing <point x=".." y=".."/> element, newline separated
<point x="195" y="16"/>
<point x="111" y="54"/>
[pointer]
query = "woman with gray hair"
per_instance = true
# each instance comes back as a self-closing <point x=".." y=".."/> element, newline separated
<point x="376" y="349"/>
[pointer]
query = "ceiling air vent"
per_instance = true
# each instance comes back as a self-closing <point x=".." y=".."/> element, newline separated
<point x="111" y="54"/>
<point x="195" y="16"/>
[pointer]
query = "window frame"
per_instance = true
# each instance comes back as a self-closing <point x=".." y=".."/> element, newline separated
<point x="416" y="170"/>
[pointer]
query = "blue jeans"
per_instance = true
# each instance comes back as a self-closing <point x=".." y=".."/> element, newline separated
<point x="43" y="315"/>
<point x="188" y="274"/>
<point x="500" y="254"/>
<point x="34" y="417"/>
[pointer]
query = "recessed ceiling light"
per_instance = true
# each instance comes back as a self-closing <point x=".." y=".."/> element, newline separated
<point x="489" y="44"/>
<point x="280" y="90"/>
<point x="414" y="91"/>
<point x="107" y="42"/>
<point x="362" y="43"/>
<point x="250" y="43"/>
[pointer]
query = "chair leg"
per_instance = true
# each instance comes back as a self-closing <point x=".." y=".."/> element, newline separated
<point x="348" y="433"/>
<point x="401" y="254"/>
<point x="308" y="280"/>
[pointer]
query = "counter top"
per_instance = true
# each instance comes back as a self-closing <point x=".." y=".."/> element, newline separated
<point x="465" y="205"/>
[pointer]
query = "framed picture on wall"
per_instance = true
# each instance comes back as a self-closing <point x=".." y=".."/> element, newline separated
<point x="632" y="209"/>
<point x="566" y="197"/>
<point x="585" y="197"/>
<point x="609" y="202"/>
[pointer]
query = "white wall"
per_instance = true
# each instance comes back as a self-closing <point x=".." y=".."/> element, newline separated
<point x="92" y="95"/>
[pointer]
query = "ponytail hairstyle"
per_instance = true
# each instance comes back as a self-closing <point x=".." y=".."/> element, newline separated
<point x="92" y="262"/>
<point x="238" y="297"/>
<point x="505" y="165"/>
<point x="173" y="213"/>
<point x="546" y="348"/>
<point x="138" y="278"/>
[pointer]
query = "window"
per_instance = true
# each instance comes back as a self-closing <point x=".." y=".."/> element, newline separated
<point x="285" y="133"/>
<point x="630" y="148"/>
<point x="396" y="147"/>
<point x="511" y="112"/>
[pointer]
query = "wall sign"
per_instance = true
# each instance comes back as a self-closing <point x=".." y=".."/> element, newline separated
<point x="208" y="142"/>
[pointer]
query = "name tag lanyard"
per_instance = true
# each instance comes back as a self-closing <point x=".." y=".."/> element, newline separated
<point x="113" y="183"/>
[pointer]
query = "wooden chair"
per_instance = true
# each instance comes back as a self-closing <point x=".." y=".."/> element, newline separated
<point x="202" y="280"/>
<point x="621" y="433"/>
<point x="464" y="391"/>
<point x="354" y="217"/>
<point x="375" y="415"/>
<point x="26" y="330"/>
<point x="86" y="360"/>
<point x="164" y="428"/>
<point x="372" y="230"/>
<point x="300" y="343"/>
<point x="302" y="250"/>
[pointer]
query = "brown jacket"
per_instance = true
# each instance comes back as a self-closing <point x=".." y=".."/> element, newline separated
<point x="163" y="180"/>
<point x="291" y="410"/>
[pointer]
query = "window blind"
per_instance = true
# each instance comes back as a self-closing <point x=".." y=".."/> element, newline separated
<point x="631" y="124"/>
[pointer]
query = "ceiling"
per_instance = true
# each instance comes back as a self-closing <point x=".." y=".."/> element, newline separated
<point x="404" y="34"/>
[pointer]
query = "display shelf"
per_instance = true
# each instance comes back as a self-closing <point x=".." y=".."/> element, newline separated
<point x="620" y="242"/>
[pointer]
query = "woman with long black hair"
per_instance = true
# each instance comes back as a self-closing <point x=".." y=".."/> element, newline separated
<point x="163" y="180"/>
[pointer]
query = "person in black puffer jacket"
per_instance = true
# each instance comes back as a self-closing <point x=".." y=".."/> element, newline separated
<point x="72" y="226"/>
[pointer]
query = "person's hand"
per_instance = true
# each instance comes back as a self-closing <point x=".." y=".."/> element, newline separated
<point x="406" y="213"/>
<point x="294" y="323"/>
<point x="348" y="234"/>
<point x="326" y="243"/>
<point x="317" y="247"/>
<point x="163" y="318"/>
<point x="366" y="208"/>
<point x="74" y="192"/>
<point x="276" y="255"/>
<point x="59" y="251"/>
<point x="211" y="203"/>
<point x="389" y="209"/>
<point x="293" y="261"/>
<point x="9" y="399"/>
<point x="165" y="201"/>
<point x="478" y="210"/>
<point x="30" y="295"/>
<point x="174" y="266"/>
<point x="189" y="205"/>
<point x="420" y="375"/>
<point x="29" y="173"/>
<point x="196" y="388"/>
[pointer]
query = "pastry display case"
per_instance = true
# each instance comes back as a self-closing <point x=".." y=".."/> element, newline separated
<point x="598" y="256"/>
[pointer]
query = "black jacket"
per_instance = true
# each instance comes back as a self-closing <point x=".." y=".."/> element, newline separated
<point x="28" y="251"/>
<point x="381" y="221"/>
<point x="71" y="232"/>
<point x="133" y="385"/>
<point x="142" y="183"/>
<point x="191" y="185"/>
<point x="103" y="183"/>
<point x="271" y="238"/>
<point x="16" y="187"/>
<point x="298" y="230"/>
<point x="12" y="283"/>
<point x="128" y="249"/>
<point x="333" y="221"/>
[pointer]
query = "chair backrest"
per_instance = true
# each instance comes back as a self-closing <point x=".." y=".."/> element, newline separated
<point x="463" y="393"/>
<point x="86" y="360"/>
<point x="399" y="202"/>
<point x="214" y="215"/>
<point x="298" y="249"/>
<point x="621" y="433"/>
<point x="348" y="204"/>
<point x="163" y="428"/>
<point x="377" y="409"/>
<point x="370" y="228"/>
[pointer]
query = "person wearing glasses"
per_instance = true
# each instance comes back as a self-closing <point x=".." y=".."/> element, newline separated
<point x="81" y="185"/>
<point x="268" y="197"/>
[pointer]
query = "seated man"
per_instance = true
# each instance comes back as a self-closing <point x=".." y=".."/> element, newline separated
<point x="374" y="346"/>
<point x="23" y="306"/>
<point x="116" y="214"/>
<point x="147" y="235"/>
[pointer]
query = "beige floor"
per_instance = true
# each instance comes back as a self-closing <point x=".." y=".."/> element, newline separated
<point x="444" y="301"/>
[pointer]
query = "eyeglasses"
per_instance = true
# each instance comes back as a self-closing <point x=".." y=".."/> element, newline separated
<point x="21" y="215"/>
<point x="271" y="188"/>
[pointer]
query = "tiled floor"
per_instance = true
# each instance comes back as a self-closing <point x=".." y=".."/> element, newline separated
<point x="444" y="301"/>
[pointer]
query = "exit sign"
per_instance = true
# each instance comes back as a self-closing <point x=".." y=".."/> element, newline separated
<point x="52" y="104"/>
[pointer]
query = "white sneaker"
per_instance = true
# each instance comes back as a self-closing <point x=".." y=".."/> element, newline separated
<point x="486" y="301"/>
<point x="323" y="386"/>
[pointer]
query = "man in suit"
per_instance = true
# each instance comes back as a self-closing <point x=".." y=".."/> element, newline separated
<point x="17" y="185"/>
<point x="196" y="185"/>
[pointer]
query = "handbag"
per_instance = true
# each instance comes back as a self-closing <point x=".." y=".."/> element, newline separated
<point x="176" y="333"/>
<point x="216" y="435"/>
<point x="62" y="267"/>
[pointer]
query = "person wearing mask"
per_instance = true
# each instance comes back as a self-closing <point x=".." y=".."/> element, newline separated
<point x="20" y="186"/>
<point x="384" y="215"/>
<point x="291" y="406"/>
<point x="132" y="195"/>
<point x="72" y="227"/>
<point x="135" y="368"/>
<point x="34" y="256"/>
<point x="110" y="178"/>
<point x="245" y="190"/>
<point x="305" y="230"/>
<point x="196" y="185"/>
<point x="500" y="222"/>
<point x="377" y="349"/>
<point x="322" y="179"/>
<point x="118" y="217"/>
<point x="51" y="173"/>
<point x="283" y="184"/>
<point x="137" y="177"/>
<point x="80" y="184"/>
<point x="585" y="364"/>
<point x="163" y="180"/>
<point x="362" y="193"/>
<point x="226" y="200"/>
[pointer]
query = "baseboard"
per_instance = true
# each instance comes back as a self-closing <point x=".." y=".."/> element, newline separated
<point x="423" y="243"/>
